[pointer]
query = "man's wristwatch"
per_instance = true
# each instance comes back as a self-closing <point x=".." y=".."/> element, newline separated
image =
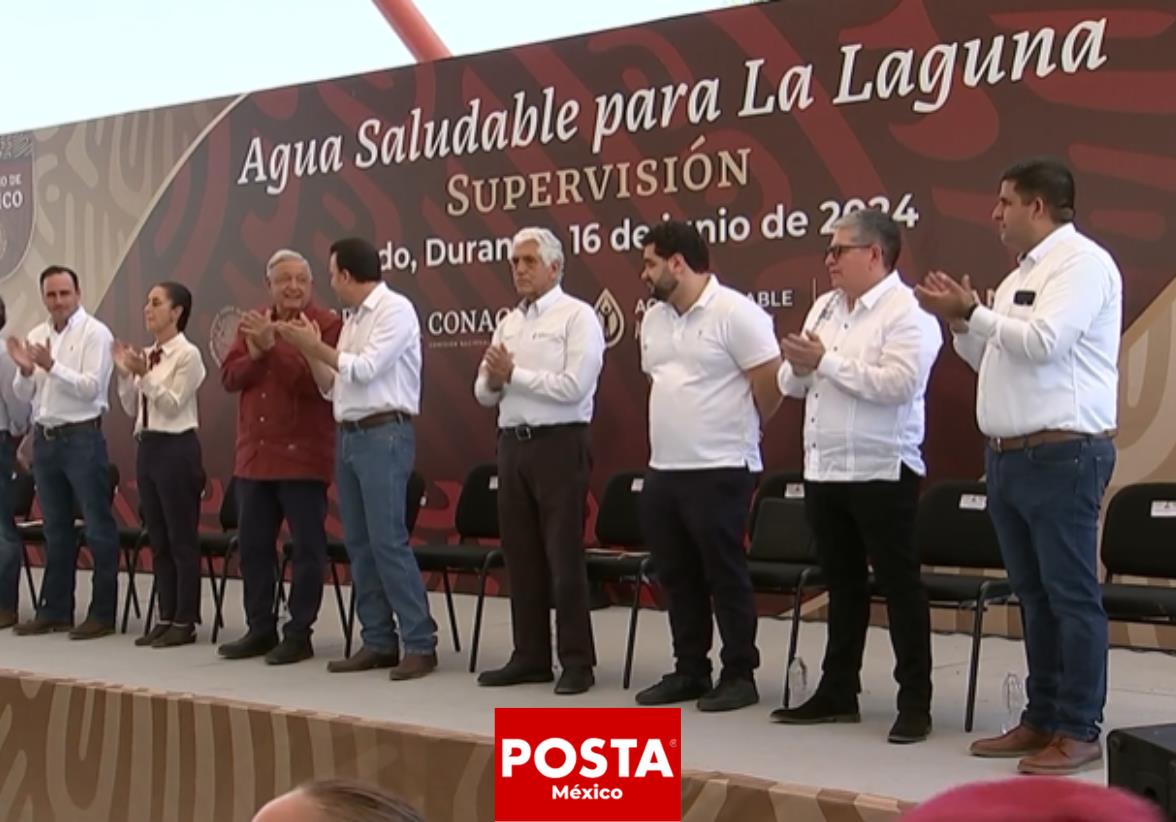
<point x="971" y="310"/>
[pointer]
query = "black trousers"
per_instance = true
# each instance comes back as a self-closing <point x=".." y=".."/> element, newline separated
<point x="264" y="504"/>
<point x="170" y="471"/>
<point x="542" y="494"/>
<point x="694" y="522"/>
<point x="858" y="521"/>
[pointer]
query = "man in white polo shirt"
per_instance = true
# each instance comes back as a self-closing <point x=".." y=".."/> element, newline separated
<point x="711" y="356"/>
<point x="1047" y="352"/>
<point x="541" y="371"/>
<point x="64" y="371"/>
<point x="862" y="366"/>
<point x="374" y="380"/>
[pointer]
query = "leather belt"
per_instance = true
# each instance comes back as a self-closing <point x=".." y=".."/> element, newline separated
<point x="523" y="433"/>
<point x="68" y="428"/>
<point x="375" y="420"/>
<point x="1003" y="444"/>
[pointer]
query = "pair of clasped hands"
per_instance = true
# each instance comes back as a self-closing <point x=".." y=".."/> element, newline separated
<point x="261" y="332"/>
<point x="28" y="355"/>
<point x="938" y="294"/>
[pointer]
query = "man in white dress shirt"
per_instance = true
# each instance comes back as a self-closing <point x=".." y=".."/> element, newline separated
<point x="64" y="371"/>
<point x="711" y="356"/>
<point x="374" y="381"/>
<point x="14" y="424"/>
<point x="541" y="371"/>
<point x="862" y="364"/>
<point x="1047" y="353"/>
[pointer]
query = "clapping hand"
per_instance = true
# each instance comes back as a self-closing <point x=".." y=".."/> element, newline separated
<point x="803" y="352"/>
<point x="499" y="364"/>
<point x="128" y="360"/>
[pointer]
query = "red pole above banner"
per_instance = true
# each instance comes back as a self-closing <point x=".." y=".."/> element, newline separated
<point x="414" y="30"/>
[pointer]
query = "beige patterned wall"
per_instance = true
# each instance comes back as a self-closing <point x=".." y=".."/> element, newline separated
<point x="91" y="752"/>
<point x="95" y="183"/>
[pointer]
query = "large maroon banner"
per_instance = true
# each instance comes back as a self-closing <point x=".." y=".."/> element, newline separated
<point x="763" y="124"/>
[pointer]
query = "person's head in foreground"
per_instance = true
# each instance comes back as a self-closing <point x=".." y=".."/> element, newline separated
<point x="338" y="800"/>
<point x="1035" y="799"/>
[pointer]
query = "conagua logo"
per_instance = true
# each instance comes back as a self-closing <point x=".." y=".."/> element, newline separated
<point x="16" y="200"/>
<point x="612" y="319"/>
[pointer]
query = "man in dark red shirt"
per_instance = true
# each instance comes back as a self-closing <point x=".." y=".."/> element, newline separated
<point x="284" y="462"/>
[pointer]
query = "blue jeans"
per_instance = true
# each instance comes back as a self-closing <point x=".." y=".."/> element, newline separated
<point x="372" y="468"/>
<point x="1044" y="503"/>
<point x="70" y="466"/>
<point x="11" y="546"/>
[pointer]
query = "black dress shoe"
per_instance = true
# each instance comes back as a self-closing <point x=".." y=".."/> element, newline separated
<point x="514" y="673"/>
<point x="575" y="681"/>
<point x="364" y="660"/>
<point x="818" y="709"/>
<point x="7" y="619"/>
<point x="254" y="643"/>
<point x="675" y="688"/>
<point x="39" y="625"/>
<point x="291" y="650"/>
<point x="729" y="695"/>
<point x="155" y="633"/>
<point x="911" y="726"/>
<point x="92" y="629"/>
<point x="175" y="636"/>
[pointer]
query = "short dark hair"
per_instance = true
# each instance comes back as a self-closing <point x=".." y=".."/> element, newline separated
<point x="180" y="297"/>
<point x="3" y="314"/>
<point x="342" y="800"/>
<point x="675" y="237"/>
<point x="60" y="269"/>
<point x="872" y="225"/>
<point x="359" y="257"/>
<point x="1048" y="178"/>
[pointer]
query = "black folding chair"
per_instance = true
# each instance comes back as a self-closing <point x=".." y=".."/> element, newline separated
<point x="1139" y="540"/>
<point x="21" y="492"/>
<point x="952" y="529"/>
<point x="621" y="555"/>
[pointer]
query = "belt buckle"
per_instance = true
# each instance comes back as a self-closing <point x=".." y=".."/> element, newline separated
<point x="47" y="434"/>
<point x="523" y="433"/>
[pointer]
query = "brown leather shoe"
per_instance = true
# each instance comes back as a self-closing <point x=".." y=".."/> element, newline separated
<point x="414" y="666"/>
<point x="364" y="660"/>
<point x="91" y="629"/>
<point x="7" y="619"/>
<point x="1020" y="741"/>
<point x="37" y="625"/>
<point x="1062" y="757"/>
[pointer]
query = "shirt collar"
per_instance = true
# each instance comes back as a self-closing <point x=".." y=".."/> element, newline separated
<point x="878" y="290"/>
<point x="543" y="303"/>
<point x="169" y="347"/>
<point x="373" y="299"/>
<point x="1035" y="255"/>
<point x="709" y="292"/>
<point x="75" y="318"/>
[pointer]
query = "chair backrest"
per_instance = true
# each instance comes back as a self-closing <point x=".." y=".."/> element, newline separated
<point x="230" y="514"/>
<point x="477" y="506"/>
<point x="780" y="485"/>
<point x="618" y="520"/>
<point x="414" y="500"/>
<point x="782" y="532"/>
<point x="1139" y="533"/>
<point x="21" y="492"/>
<point x="952" y="527"/>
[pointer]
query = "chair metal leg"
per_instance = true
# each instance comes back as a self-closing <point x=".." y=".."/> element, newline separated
<point x="344" y="619"/>
<point x="150" y="607"/>
<point x="350" y="620"/>
<point x="794" y="634"/>
<point x="28" y="567"/>
<point x="482" y="574"/>
<point x="631" y="643"/>
<point x="452" y="613"/>
<point x="131" y="560"/>
<point x="974" y="667"/>
<point x="280" y="594"/>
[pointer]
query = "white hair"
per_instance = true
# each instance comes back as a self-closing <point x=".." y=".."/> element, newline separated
<point x="550" y="248"/>
<point x="286" y="255"/>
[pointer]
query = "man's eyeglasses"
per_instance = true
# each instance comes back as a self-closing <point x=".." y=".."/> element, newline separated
<point x="835" y="251"/>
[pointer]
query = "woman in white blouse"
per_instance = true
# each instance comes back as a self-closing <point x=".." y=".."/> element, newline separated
<point x="157" y="386"/>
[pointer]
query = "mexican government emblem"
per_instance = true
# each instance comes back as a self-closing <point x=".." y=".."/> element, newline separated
<point x="611" y="318"/>
<point x="16" y="200"/>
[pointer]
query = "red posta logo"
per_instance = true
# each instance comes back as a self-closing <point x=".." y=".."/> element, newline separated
<point x="587" y="764"/>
